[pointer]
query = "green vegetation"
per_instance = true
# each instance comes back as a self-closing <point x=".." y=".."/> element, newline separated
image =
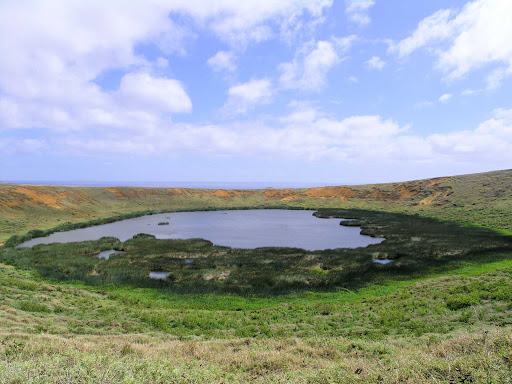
<point x="417" y="245"/>
<point x="441" y="312"/>
<point x="406" y="331"/>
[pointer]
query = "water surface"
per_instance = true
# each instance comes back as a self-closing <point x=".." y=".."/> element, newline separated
<point x="235" y="228"/>
<point x="106" y="254"/>
<point x="382" y="261"/>
<point x="159" y="275"/>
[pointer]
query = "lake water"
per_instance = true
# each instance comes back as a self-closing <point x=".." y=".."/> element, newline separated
<point x="162" y="275"/>
<point x="382" y="261"/>
<point x="106" y="254"/>
<point x="235" y="228"/>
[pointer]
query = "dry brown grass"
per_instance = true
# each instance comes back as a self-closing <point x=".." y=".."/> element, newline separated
<point x="463" y="358"/>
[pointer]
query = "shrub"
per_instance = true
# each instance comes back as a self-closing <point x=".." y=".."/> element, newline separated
<point x="33" y="306"/>
<point x="459" y="302"/>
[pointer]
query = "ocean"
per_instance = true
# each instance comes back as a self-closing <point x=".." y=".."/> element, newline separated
<point x="179" y="184"/>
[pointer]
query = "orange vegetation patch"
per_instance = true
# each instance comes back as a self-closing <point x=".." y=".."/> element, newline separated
<point x="222" y="193"/>
<point x="438" y="180"/>
<point x="15" y="196"/>
<point x="219" y="192"/>
<point x="429" y="199"/>
<point x="281" y="194"/>
<point x="36" y="195"/>
<point x="115" y="191"/>
<point x="378" y="194"/>
<point x="278" y="193"/>
<point x="407" y="192"/>
<point x="129" y="192"/>
<point x="343" y="193"/>
<point x="243" y="192"/>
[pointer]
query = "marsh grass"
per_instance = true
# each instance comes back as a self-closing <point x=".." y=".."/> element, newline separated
<point x="417" y="245"/>
<point x="441" y="312"/>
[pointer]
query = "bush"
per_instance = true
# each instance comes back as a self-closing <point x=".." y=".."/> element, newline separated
<point x="459" y="302"/>
<point x="33" y="306"/>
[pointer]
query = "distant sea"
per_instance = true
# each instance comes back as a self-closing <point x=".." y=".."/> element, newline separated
<point x="177" y="184"/>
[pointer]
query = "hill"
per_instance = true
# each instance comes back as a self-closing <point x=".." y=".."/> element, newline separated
<point x="440" y="312"/>
<point x="483" y="199"/>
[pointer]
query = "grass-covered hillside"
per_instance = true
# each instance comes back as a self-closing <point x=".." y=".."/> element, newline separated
<point x="450" y="328"/>
<point x="440" y="312"/>
<point x="484" y="199"/>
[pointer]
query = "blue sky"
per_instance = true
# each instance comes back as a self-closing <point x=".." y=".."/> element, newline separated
<point x="339" y="92"/>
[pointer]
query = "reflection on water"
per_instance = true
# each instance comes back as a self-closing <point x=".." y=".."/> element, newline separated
<point x="382" y="261"/>
<point x="106" y="254"/>
<point x="234" y="228"/>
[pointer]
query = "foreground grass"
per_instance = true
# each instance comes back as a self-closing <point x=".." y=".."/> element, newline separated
<point x="452" y="328"/>
<point x="479" y="357"/>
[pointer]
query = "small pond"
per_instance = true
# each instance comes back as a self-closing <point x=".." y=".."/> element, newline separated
<point x="382" y="261"/>
<point x="234" y="228"/>
<point x="159" y="275"/>
<point x="106" y="254"/>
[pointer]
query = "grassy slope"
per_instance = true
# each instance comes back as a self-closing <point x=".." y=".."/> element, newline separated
<point x="406" y="332"/>
<point x="450" y="327"/>
<point x="483" y="199"/>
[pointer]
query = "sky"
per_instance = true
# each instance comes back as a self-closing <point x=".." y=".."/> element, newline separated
<point x="313" y="91"/>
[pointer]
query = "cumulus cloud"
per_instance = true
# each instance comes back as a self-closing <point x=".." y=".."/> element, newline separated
<point x="445" y="97"/>
<point x="304" y="134"/>
<point x="140" y="90"/>
<point x="434" y="28"/>
<point x="52" y="53"/>
<point x="245" y="96"/>
<point x="496" y="77"/>
<point x="375" y="63"/>
<point x="240" y="22"/>
<point x="222" y="61"/>
<point x="477" y="35"/>
<point x="357" y="10"/>
<point x="312" y="62"/>
<point x="470" y="92"/>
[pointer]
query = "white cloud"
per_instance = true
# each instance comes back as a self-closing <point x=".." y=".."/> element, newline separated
<point x="312" y="62"/>
<point x="496" y="77"/>
<point x="432" y="29"/>
<point x="53" y="51"/>
<point x="304" y="134"/>
<point x="222" y="60"/>
<point x="240" y="22"/>
<point x="353" y="79"/>
<point x="343" y="44"/>
<point x="141" y="91"/>
<point x="490" y="141"/>
<point x="477" y="35"/>
<point x="376" y="63"/>
<point x="357" y="10"/>
<point x="245" y="96"/>
<point x="162" y="62"/>
<point x="445" y="97"/>
<point x="470" y="92"/>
